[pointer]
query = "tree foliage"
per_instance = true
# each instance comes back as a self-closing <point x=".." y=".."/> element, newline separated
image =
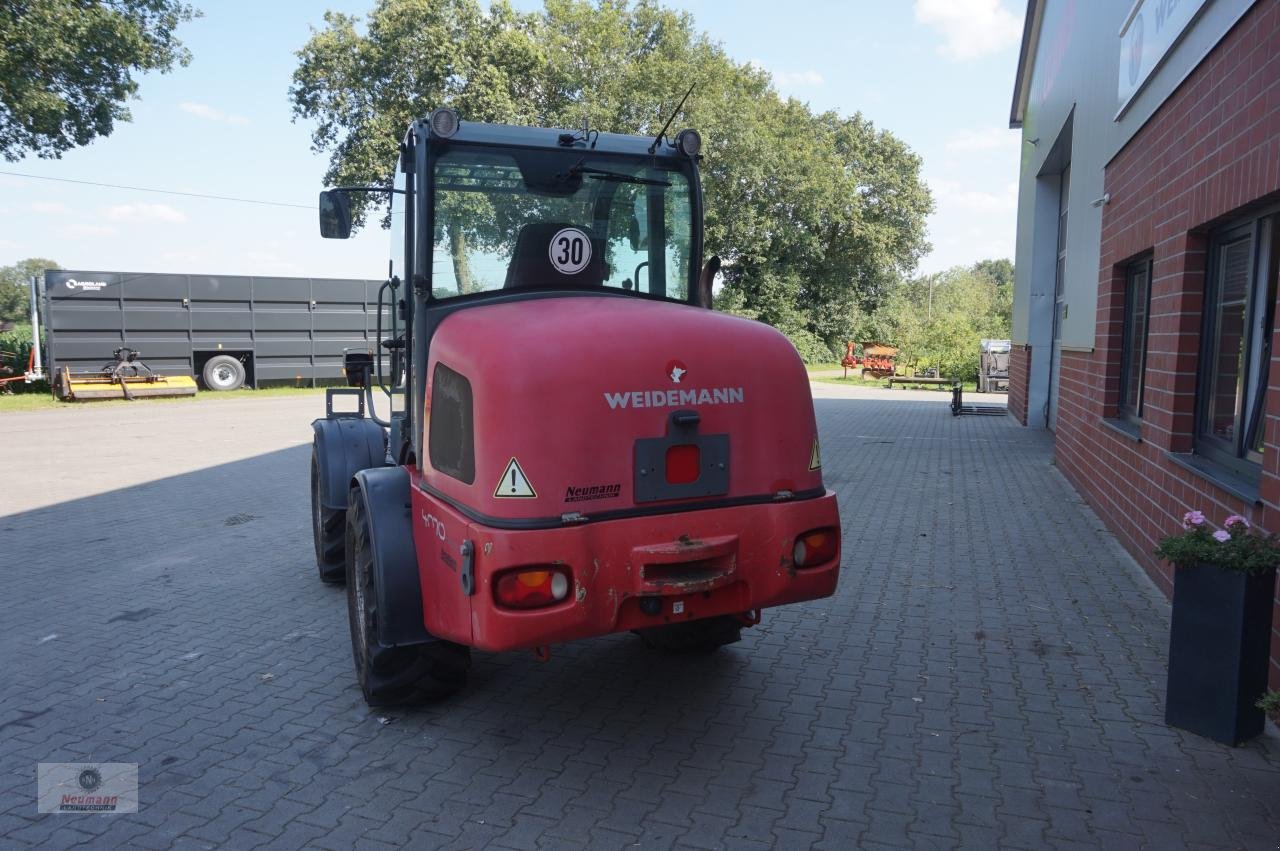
<point x="15" y="295"/>
<point x="938" y="320"/>
<point x="67" y="67"/>
<point x="815" y="215"/>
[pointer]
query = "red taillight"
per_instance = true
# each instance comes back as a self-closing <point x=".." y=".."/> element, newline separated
<point x="532" y="587"/>
<point x="816" y="547"/>
<point x="683" y="463"/>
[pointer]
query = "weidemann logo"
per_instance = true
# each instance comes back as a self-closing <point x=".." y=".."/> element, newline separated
<point x="92" y="286"/>
<point x="674" y="398"/>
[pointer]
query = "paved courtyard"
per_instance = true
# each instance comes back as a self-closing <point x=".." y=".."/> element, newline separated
<point x="990" y="672"/>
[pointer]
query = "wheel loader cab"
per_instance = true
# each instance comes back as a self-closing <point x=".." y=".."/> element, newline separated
<point x="584" y="448"/>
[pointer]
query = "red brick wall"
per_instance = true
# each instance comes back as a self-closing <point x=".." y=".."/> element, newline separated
<point x="1019" y="378"/>
<point x="1212" y="149"/>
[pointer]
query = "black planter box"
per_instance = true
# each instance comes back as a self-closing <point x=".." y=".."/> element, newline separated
<point x="1219" y="650"/>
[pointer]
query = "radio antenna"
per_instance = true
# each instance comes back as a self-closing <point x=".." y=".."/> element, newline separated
<point x="674" y="113"/>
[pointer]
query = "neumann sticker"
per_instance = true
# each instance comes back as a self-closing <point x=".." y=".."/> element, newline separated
<point x="674" y="398"/>
<point x="592" y="492"/>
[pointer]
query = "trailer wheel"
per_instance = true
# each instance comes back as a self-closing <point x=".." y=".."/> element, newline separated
<point x="391" y="676"/>
<point x="700" y="636"/>
<point x="328" y="526"/>
<point x="223" y="372"/>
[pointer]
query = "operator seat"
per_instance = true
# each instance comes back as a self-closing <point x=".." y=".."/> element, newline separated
<point x="531" y="265"/>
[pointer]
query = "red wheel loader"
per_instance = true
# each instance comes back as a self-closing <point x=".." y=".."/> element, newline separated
<point x="571" y="443"/>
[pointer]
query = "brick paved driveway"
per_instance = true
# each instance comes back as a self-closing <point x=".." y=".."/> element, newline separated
<point x="990" y="672"/>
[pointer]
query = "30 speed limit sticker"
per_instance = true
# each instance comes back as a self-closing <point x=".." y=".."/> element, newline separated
<point x="570" y="251"/>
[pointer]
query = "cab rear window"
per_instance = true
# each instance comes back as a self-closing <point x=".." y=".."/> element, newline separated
<point x="451" y="430"/>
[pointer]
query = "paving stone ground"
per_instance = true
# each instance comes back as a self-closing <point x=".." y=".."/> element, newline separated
<point x="989" y="674"/>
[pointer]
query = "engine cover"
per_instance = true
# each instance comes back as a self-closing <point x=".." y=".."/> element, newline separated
<point x="595" y="405"/>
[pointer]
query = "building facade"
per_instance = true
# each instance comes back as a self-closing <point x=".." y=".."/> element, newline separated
<point x="1148" y="252"/>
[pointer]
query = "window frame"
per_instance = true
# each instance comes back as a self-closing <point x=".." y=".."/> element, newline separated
<point x="686" y="170"/>
<point x="1143" y="265"/>
<point x="1263" y="232"/>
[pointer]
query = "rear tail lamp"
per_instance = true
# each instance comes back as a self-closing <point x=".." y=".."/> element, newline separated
<point x="816" y="547"/>
<point x="532" y="587"/>
<point x="684" y="461"/>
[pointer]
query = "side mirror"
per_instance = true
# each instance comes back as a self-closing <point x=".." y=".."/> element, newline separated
<point x="335" y="214"/>
<point x="702" y="297"/>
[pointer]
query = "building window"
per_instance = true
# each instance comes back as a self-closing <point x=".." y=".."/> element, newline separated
<point x="1133" y="345"/>
<point x="1239" y="317"/>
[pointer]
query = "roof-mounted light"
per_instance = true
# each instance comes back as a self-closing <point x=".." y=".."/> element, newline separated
<point x="444" y="122"/>
<point x="688" y="142"/>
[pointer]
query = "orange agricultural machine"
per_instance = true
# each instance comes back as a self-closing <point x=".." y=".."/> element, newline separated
<point x="878" y="360"/>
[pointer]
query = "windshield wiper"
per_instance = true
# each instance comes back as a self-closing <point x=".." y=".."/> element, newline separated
<point x="605" y="174"/>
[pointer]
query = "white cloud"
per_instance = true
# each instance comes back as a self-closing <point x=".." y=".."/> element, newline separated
<point x="972" y="28"/>
<point x="89" y="230"/>
<point x="203" y="110"/>
<point x="791" y="79"/>
<point x="145" y="213"/>
<point x="990" y="139"/>
<point x="951" y="194"/>
<point x="52" y="208"/>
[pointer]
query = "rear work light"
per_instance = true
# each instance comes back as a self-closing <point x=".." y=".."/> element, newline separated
<point x="816" y="547"/>
<point x="532" y="587"/>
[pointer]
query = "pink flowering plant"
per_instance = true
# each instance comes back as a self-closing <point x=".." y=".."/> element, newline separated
<point x="1236" y="546"/>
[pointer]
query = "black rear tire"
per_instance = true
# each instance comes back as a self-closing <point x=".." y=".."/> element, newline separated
<point x="328" y="528"/>
<point x="223" y="372"/>
<point x="391" y="676"/>
<point x="700" y="636"/>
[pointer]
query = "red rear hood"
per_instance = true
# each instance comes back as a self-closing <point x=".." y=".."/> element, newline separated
<point x="566" y="386"/>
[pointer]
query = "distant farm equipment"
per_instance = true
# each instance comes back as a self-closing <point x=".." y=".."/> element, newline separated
<point x="993" y="366"/>
<point x="875" y="359"/>
<point x="126" y="377"/>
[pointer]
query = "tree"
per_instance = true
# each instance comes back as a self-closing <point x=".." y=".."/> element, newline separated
<point x="15" y="295"/>
<point x="938" y="320"/>
<point x="67" y="67"/>
<point x="815" y="216"/>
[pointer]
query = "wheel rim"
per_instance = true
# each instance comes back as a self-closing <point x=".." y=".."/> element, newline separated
<point x="223" y="375"/>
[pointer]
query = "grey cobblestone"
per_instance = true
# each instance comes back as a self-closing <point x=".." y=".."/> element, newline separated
<point x="989" y="673"/>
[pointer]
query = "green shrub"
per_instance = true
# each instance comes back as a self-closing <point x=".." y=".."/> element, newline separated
<point x="1270" y="704"/>
<point x="15" y="347"/>
<point x="812" y="350"/>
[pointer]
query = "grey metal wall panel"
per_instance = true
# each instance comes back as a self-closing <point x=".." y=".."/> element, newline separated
<point x="221" y="288"/>
<point x="237" y="341"/>
<point x="175" y="320"/>
<point x="172" y="288"/>
<point x="296" y="319"/>
<point x="324" y="348"/>
<point x="221" y="320"/>
<point x="326" y="322"/>
<point x="329" y="289"/>
<point x="282" y="289"/>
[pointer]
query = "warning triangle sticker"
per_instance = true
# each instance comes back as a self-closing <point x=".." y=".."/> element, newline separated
<point x="815" y="457"/>
<point x="514" y="484"/>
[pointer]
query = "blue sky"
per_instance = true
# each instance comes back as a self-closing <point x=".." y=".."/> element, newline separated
<point x="937" y="73"/>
